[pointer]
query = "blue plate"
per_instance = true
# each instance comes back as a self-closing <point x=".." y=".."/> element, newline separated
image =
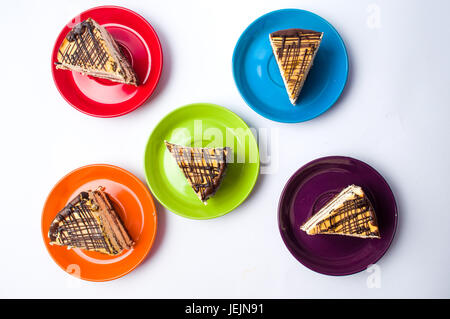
<point x="259" y="80"/>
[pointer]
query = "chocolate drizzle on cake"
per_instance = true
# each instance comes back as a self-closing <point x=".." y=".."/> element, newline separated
<point x="75" y="225"/>
<point x="86" y="51"/>
<point x="295" y="50"/>
<point x="90" y="222"/>
<point x="90" y="49"/>
<point x="355" y="216"/>
<point x="204" y="168"/>
<point x="348" y="213"/>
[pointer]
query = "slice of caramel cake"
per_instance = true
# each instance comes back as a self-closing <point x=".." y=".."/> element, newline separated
<point x="349" y="213"/>
<point x="90" y="49"/>
<point x="204" y="168"/>
<point x="295" y="50"/>
<point x="90" y="222"/>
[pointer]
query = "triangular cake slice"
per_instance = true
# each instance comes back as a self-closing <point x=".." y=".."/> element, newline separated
<point x="204" y="168"/>
<point x="90" y="222"/>
<point x="90" y="49"/>
<point x="349" y="213"/>
<point x="295" y="50"/>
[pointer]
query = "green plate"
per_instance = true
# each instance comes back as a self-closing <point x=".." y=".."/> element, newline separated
<point x="201" y="125"/>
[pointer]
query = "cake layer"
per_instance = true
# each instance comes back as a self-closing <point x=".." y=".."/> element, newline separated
<point x="112" y="225"/>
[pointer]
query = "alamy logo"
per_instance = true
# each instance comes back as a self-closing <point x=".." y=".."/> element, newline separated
<point x="374" y="16"/>
<point x="240" y="140"/>
<point x="74" y="280"/>
<point x="374" y="279"/>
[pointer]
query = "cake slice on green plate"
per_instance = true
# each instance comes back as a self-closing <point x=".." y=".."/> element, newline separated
<point x="204" y="168"/>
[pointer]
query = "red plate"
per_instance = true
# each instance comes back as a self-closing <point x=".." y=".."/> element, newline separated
<point x="104" y="98"/>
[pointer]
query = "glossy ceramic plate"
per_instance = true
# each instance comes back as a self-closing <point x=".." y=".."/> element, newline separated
<point x="140" y="44"/>
<point x="201" y="125"/>
<point x="309" y="189"/>
<point x="133" y="203"/>
<point x="258" y="78"/>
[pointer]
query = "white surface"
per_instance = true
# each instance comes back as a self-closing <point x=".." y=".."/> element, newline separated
<point x="394" y="115"/>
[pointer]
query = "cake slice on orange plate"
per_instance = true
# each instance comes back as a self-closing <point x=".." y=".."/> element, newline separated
<point x="349" y="213"/>
<point x="90" y="222"/>
<point x="90" y="49"/>
<point x="295" y="50"/>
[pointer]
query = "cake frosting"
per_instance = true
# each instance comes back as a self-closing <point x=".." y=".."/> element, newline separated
<point x="204" y="168"/>
<point x="90" y="222"/>
<point x="295" y="50"/>
<point x="349" y="213"/>
<point x="90" y="49"/>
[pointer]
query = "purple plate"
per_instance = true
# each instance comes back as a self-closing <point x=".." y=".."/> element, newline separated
<point x="309" y="189"/>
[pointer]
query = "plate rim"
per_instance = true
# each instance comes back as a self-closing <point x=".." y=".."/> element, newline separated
<point x="150" y="91"/>
<point x="258" y="110"/>
<point x="283" y="196"/>
<point x="155" y="217"/>
<point x="152" y="189"/>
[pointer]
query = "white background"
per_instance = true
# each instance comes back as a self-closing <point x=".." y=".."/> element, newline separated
<point x="394" y="114"/>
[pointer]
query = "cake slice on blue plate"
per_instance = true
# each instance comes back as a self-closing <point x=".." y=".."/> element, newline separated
<point x="295" y="50"/>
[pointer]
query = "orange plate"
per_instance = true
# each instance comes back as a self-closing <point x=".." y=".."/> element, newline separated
<point x="133" y="203"/>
